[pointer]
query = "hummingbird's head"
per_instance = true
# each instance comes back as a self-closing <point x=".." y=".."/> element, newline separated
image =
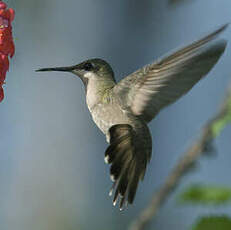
<point x="93" y="69"/>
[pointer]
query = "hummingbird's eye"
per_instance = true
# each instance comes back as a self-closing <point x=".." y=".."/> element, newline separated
<point x="88" y="66"/>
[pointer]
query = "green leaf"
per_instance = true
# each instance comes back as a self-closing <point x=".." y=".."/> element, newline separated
<point x="206" y="195"/>
<point x="213" y="223"/>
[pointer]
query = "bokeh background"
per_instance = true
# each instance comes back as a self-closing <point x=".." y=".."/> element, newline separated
<point x="52" y="173"/>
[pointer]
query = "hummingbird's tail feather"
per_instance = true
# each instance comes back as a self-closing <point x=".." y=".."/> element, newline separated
<point x="128" y="157"/>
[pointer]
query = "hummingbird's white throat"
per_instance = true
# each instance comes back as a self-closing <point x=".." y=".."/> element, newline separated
<point x="90" y="75"/>
<point x="92" y="94"/>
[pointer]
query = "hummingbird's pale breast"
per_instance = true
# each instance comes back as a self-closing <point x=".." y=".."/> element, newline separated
<point x="106" y="109"/>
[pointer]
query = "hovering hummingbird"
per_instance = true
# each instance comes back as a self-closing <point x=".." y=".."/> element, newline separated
<point x="122" y="110"/>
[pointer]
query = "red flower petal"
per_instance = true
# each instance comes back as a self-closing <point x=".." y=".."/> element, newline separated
<point x="7" y="14"/>
<point x="1" y="94"/>
<point x="3" y="5"/>
<point x="12" y="14"/>
<point x="6" y="42"/>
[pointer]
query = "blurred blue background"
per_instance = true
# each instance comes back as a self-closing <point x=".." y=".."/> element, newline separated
<point x="52" y="173"/>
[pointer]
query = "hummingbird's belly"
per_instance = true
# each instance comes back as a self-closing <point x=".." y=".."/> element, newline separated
<point x="107" y="115"/>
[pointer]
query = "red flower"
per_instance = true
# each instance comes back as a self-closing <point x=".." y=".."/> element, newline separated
<point x="6" y="42"/>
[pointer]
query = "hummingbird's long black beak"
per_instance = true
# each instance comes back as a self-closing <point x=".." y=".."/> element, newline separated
<point x="65" y="69"/>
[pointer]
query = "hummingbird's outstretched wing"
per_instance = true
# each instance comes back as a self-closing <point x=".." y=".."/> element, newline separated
<point x="157" y="85"/>
<point x="128" y="153"/>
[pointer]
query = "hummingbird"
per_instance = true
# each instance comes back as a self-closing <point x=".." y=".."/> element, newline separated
<point x="123" y="110"/>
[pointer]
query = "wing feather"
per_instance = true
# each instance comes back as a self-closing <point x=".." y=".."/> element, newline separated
<point x="161" y="83"/>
